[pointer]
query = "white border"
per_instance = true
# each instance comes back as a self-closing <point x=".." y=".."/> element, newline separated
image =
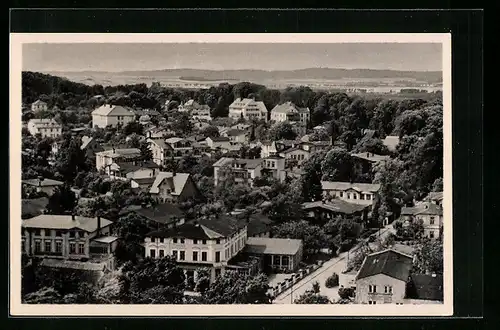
<point x="18" y="309"/>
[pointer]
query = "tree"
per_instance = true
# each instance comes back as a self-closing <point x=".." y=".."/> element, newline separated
<point x="71" y="159"/>
<point x="146" y="153"/>
<point x="311" y="179"/>
<point x="346" y="293"/>
<point x="312" y="297"/>
<point x="437" y="186"/>
<point x="133" y="127"/>
<point x="337" y="166"/>
<point x="429" y="257"/>
<point x="210" y="131"/>
<point x="332" y="281"/>
<point x="233" y="288"/>
<point x="62" y="201"/>
<point x="282" y="131"/>
<point x="45" y="295"/>
<point x="313" y="237"/>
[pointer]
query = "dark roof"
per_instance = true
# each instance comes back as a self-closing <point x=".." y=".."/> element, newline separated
<point x="426" y="287"/>
<point x="225" y="225"/>
<point x="423" y="208"/>
<point x="145" y="181"/>
<point x="127" y="167"/>
<point x="265" y="245"/>
<point x="258" y="224"/>
<point x="33" y="207"/>
<point x="162" y="213"/>
<point x="186" y="230"/>
<point x="220" y="139"/>
<point x="43" y="183"/>
<point x="388" y="262"/>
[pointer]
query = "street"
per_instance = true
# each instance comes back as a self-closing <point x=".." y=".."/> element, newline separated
<point x="334" y="265"/>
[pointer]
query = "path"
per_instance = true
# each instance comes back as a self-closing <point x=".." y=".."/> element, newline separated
<point x="334" y="265"/>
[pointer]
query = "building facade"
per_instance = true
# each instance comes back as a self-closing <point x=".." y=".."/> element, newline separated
<point x="172" y="187"/>
<point x="47" y="128"/>
<point x="429" y="214"/>
<point x="288" y="111"/>
<point x="39" y="105"/>
<point x="111" y="115"/>
<point x="104" y="159"/>
<point x="244" y="170"/>
<point x="248" y="109"/>
<point x="358" y="193"/>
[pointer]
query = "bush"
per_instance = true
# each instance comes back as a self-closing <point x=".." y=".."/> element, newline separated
<point x="346" y="293"/>
<point x="332" y="281"/>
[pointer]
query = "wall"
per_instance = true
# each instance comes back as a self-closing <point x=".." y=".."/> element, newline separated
<point x="380" y="280"/>
<point x="351" y="193"/>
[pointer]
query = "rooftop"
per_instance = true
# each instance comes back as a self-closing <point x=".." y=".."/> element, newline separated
<point x="64" y="222"/>
<point x="161" y="213"/>
<point x="264" y="245"/>
<point x="388" y="262"/>
<point x="235" y="132"/>
<point x="176" y="182"/>
<point x="126" y="152"/>
<point x="79" y="265"/>
<point x="289" y="107"/>
<point x="219" y="139"/>
<point x="425" y="287"/>
<point x="106" y="239"/>
<point x="43" y="183"/>
<point x="423" y="208"/>
<point x="374" y="158"/>
<point x="335" y="205"/>
<point x="343" y="186"/>
<point x="114" y="110"/>
<point x="247" y="163"/>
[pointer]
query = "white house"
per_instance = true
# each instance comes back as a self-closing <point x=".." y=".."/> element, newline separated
<point x="237" y="135"/>
<point x="218" y="142"/>
<point x="104" y="159"/>
<point x="429" y="213"/>
<point x="39" y="106"/>
<point x="288" y="111"/>
<point x="244" y="170"/>
<point x="358" y="193"/>
<point x="111" y="115"/>
<point x="45" y="127"/>
<point x="248" y="109"/>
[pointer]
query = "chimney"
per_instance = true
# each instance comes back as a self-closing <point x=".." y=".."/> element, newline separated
<point x="73" y="216"/>
<point x="98" y="225"/>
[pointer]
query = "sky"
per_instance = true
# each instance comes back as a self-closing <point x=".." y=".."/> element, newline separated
<point x="133" y="57"/>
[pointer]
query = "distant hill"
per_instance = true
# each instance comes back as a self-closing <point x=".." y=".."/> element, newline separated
<point x="262" y="75"/>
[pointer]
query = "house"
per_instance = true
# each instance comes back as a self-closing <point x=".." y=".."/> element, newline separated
<point x="244" y="170"/>
<point x="429" y="213"/>
<point x="424" y="289"/>
<point x="47" y="128"/>
<point x="248" y="109"/>
<point x="133" y="170"/>
<point x="259" y="225"/>
<point x="296" y="154"/>
<point x="104" y="159"/>
<point x="201" y="113"/>
<point x="244" y="127"/>
<point x="143" y="184"/>
<point x="299" y="128"/>
<point x="160" y="150"/>
<point x="179" y="147"/>
<point x="166" y="215"/>
<point x="279" y="254"/>
<point x="41" y="184"/>
<point x="288" y="111"/>
<point x="207" y="244"/>
<point x="391" y="142"/>
<point x="111" y="115"/>
<point x="237" y="135"/>
<point x="188" y="106"/>
<point x="69" y="237"/>
<point x="173" y="187"/>
<point x="383" y="277"/>
<point x="321" y="212"/>
<point x="371" y="157"/>
<point x="271" y="148"/>
<point x="218" y="142"/>
<point x="90" y="146"/>
<point x="274" y="167"/>
<point x="316" y="146"/>
<point x="33" y="207"/>
<point x="157" y="133"/>
<point x="199" y="124"/>
<point x="358" y="193"/>
<point x="145" y="114"/>
<point x="435" y="197"/>
<point x="39" y="105"/>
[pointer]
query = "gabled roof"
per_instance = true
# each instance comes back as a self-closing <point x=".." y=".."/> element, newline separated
<point x="280" y="246"/>
<point x="112" y="110"/>
<point x="43" y="183"/>
<point x="127" y="167"/>
<point x="289" y="107"/>
<point x="425" y="287"/>
<point x="343" y="186"/>
<point x="144" y="181"/>
<point x="47" y="122"/>
<point x="425" y="208"/>
<point x="64" y="222"/>
<point x="335" y="205"/>
<point x="161" y="213"/>
<point x="235" y="132"/>
<point x="219" y="139"/>
<point x="244" y="103"/>
<point x="178" y="182"/>
<point x="258" y="224"/>
<point x="388" y="262"/>
<point x="160" y="142"/>
<point x="86" y="140"/>
<point x="173" y="140"/>
<point x="39" y="102"/>
<point x="374" y="158"/>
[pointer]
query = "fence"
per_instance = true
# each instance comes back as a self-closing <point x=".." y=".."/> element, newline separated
<point x="292" y="280"/>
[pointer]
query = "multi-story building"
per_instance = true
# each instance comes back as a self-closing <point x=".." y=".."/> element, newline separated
<point x="248" y="109"/>
<point x="358" y="193"/>
<point x="218" y="142"/>
<point x="429" y="213"/>
<point x="45" y="127"/>
<point x="201" y="113"/>
<point x="237" y="135"/>
<point x="69" y="237"/>
<point x="104" y="159"/>
<point x="111" y="115"/>
<point x="160" y="150"/>
<point x="244" y="170"/>
<point x="172" y="187"/>
<point x="288" y="111"/>
<point x="39" y="105"/>
<point x="274" y="166"/>
<point x="179" y="147"/>
<point x="133" y="170"/>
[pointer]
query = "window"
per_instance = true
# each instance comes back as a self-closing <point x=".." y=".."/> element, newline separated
<point x="195" y="241"/>
<point x="432" y="220"/>
<point x="38" y="246"/>
<point x="217" y="241"/>
<point x="341" y="194"/>
<point x="48" y="246"/>
<point x="182" y="240"/>
<point x="152" y="253"/>
<point x="372" y="288"/>
<point x="81" y="248"/>
<point x="203" y="256"/>
<point x="161" y="239"/>
<point x="37" y="232"/>
<point x="431" y="234"/>
<point x="362" y="196"/>
<point x="195" y="256"/>
<point x="72" y="234"/>
<point x="204" y="241"/>
<point x="58" y="246"/>
<point x="182" y="255"/>
<point x="174" y="254"/>
<point x="162" y="253"/>
<point x="58" y="233"/>
<point x="72" y="248"/>
<point x="175" y="240"/>
<point x="217" y="256"/>
<point x="348" y="196"/>
<point x="372" y="302"/>
<point x="284" y="261"/>
<point x="81" y="234"/>
<point x="368" y="197"/>
<point x="354" y="196"/>
<point x="388" y="289"/>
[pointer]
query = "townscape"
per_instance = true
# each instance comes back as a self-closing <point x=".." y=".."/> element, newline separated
<point x="229" y="194"/>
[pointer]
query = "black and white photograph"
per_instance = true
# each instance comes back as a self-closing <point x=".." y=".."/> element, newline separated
<point x="276" y="171"/>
